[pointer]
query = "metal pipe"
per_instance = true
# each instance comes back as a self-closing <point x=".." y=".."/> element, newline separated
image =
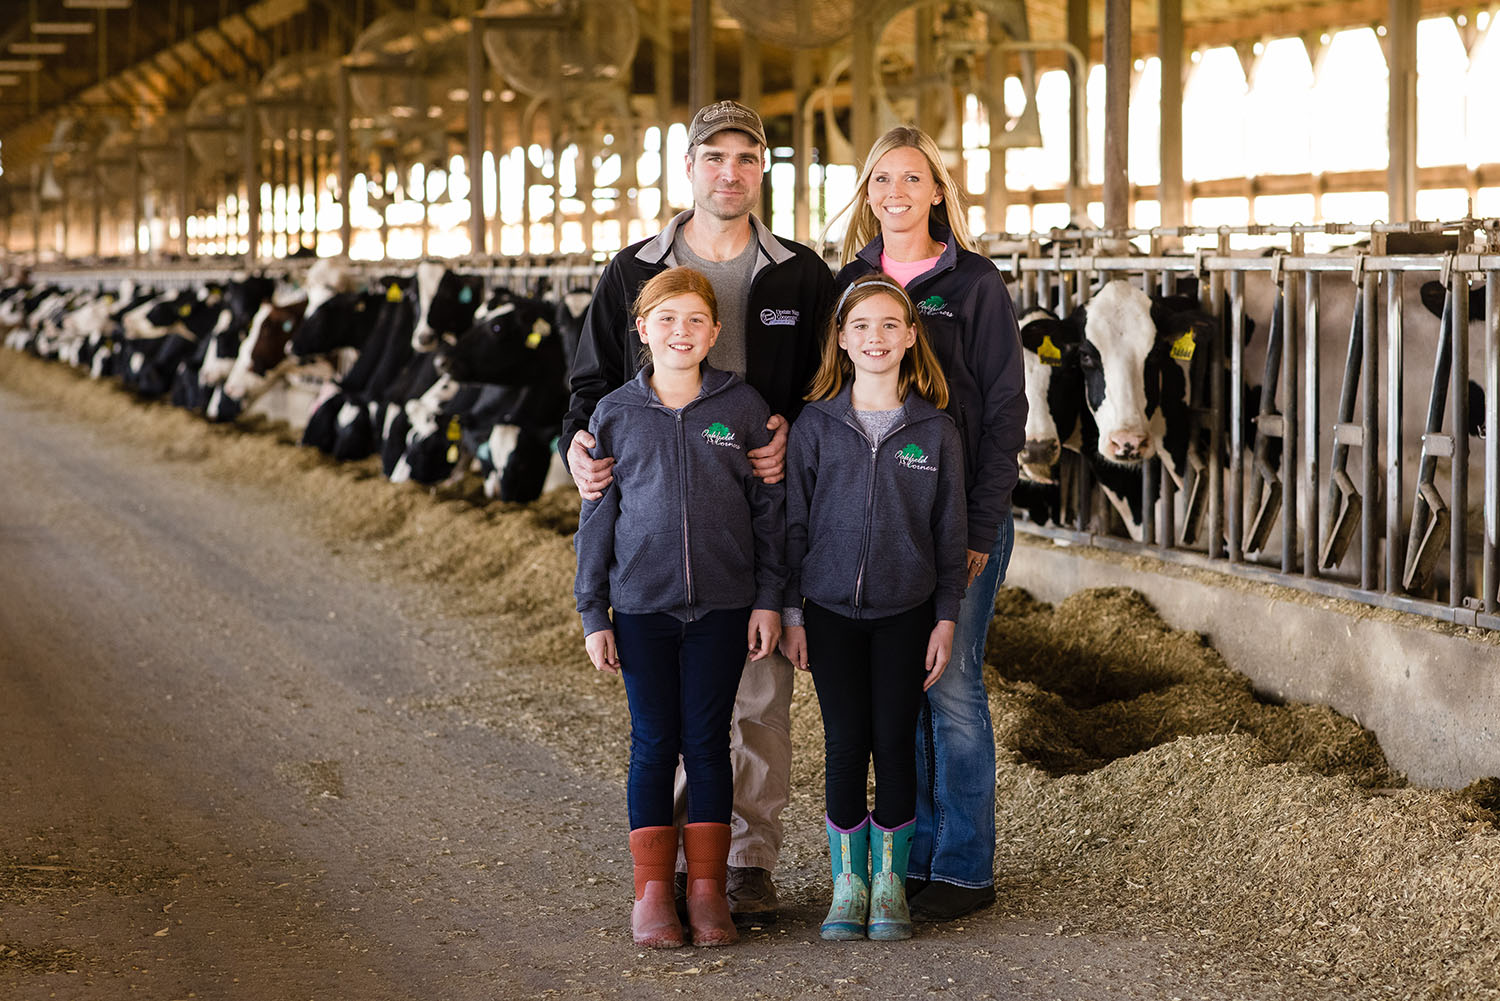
<point x="701" y="54"/>
<point x="252" y="182"/>
<point x="1491" y="441"/>
<point x="1235" y="503"/>
<point x="1458" y="406"/>
<point x="1289" y="382"/>
<point x="1401" y="120"/>
<point x="1370" y="414"/>
<point x="1307" y="513"/>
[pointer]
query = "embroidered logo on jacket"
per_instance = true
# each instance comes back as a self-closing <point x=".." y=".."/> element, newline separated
<point x="717" y="434"/>
<point x="780" y="317"/>
<point x="912" y="457"/>
<point x="934" y="305"/>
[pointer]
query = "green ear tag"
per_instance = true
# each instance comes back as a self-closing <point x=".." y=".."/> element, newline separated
<point x="1182" y="348"/>
<point x="1048" y="352"/>
<point x="466" y="294"/>
<point x="286" y="326"/>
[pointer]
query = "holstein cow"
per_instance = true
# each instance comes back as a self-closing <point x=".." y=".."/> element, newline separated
<point x="264" y="358"/>
<point x="200" y="375"/>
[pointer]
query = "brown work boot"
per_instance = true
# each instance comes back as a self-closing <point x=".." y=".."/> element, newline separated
<point x="707" y="849"/>
<point x="752" y="896"/>
<point x="653" y="919"/>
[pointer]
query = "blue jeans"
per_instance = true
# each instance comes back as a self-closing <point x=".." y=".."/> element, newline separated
<point x="955" y="838"/>
<point x="680" y="679"/>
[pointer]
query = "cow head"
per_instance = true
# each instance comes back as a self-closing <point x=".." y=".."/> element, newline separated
<point x="1050" y="357"/>
<point x="1132" y="357"/>
<point x="509" y="346"/>
<point x="446" y="303"/>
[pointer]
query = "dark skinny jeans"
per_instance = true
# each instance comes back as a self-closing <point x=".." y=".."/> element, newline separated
<point x="680" y="679"/>
<point x="869" y="674"/>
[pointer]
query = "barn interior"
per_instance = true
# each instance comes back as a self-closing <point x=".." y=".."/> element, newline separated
<point x="1255" y="725"/>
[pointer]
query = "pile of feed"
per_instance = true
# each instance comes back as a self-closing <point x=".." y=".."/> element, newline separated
<point x="1143" y="785"/>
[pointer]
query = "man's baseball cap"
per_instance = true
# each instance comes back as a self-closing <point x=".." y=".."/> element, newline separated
<point x="715" y="118"/>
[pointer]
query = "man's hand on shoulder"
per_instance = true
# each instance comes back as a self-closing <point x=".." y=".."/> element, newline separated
<point x="769" y="461"/>
<point x="592" y="476"/>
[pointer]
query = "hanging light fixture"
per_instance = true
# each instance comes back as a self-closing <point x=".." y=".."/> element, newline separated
<point x="62" y="28"/>
<point x="37" y="48"/>
<point x="97" y="4"/>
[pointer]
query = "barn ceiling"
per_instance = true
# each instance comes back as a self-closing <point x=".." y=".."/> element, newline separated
<point x="66" y="62"/>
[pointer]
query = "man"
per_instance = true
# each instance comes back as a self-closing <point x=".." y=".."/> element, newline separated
<point x="774" y="296"/>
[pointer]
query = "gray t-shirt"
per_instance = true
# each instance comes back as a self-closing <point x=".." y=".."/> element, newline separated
<point x="731" y="282"/>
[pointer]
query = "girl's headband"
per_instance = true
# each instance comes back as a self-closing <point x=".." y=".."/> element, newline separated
<point x="900" y="293"/>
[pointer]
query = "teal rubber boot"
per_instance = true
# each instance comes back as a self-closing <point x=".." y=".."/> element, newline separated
<point x="889" y="852"/>
<point x="850" y="853"/>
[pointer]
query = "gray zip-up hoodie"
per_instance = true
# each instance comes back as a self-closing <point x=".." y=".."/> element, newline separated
<point x="686" y="527"/>
<point x="875" y="528"/>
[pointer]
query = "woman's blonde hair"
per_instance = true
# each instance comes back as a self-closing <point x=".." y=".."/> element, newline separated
<point x="864" y="227"/>
<point x="675" y="281"/>
<point x="920" y="368"/>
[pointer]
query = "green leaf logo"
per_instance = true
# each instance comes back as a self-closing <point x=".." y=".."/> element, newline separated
<point x="717" y="430"/>
<point x="913" y="452"/>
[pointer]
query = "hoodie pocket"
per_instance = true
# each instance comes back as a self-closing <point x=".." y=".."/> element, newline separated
<point x="651" y="569"/>
<point x="897" y="571"/>
<point x="831" y="565"/>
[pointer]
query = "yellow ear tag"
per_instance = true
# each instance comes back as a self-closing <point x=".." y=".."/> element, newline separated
<point x="541" y="328"/>
<point x="393" y="294"/>
<point x="454" y="430"/>
<point x="452" y="453"/>
<point x="184" y="310"/>
<point x="1182" y="348"/>
<point x="1048" y="352"/>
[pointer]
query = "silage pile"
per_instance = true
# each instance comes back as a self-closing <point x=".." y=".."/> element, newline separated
<point x="1143" y="787"/>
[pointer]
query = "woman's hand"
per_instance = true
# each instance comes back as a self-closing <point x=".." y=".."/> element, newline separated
<point x="601" y="649"/>
<point x="939" y="650"/>
<point x="976" y="564"/>
<point x="794" y="646"/>
<point x="765" y="630"/>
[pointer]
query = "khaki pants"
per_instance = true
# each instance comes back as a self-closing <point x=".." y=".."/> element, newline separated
<point x="760" y="754"/>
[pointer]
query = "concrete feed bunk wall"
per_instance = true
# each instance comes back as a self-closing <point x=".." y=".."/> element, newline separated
<point x="1430" y="692"/>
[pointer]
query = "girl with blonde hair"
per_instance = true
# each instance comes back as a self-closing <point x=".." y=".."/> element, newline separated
<point x="875" y="555"/>
<point x="908" y="222"/>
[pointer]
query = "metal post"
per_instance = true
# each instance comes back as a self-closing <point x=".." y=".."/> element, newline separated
<point x="1369" y="451"/>
<point x="1078" y="37"/>
<point x="801" y="150"/>
<point x="701" y="54"/>
<point x="1307" y="491"/>
<point x="1458" y="406"/>
<point x="1216" y="404"/>
<point x="497" y="142"/>
<point x="476" y="139"/>
<point x="252" y="181"/>
<point x="1117" y="60"/>
<point x="1401" y="58"/>
<point x="1289" y="383"/>
<point x="1491" y="440"/>
<point x="661" y="65"/>
<point x="1394" y="545"/>
<point x="1169" y="18"/>
<point x="135" y="210"/>
<point x="861" y="77"/>
<point x="346" y="173"/>
<point x="996" y="197"/>
<point x="184" y="200"/>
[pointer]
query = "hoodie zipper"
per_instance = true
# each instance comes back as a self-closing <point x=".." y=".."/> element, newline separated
<point x="864" y="542"/>
<point x="687" y="562"/>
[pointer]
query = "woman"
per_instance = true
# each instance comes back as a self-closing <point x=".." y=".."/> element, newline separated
<point x="907" y="222"/>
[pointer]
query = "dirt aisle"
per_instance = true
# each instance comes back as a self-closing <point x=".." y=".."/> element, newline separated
<point x="231" y="768"/>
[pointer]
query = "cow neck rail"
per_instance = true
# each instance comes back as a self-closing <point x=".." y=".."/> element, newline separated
<point x="1385" y="415"/>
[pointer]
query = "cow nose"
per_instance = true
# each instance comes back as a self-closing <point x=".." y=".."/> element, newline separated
<point x="1129" y="445"/>
<point x="1041" y="452"/>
